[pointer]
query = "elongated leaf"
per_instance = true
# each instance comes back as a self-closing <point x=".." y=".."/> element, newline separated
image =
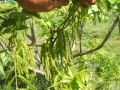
<point x="71" y="72"/>
<point x="21" y="27"/>
<point x="31" y="14"/>
<point x="55" y="84"/>
<point x="56" y="79"/>
<point x="66" y="81"/>
<point x="9" y="84"/>
<point x="22" y="88"/>
<point x="19" y="46"/>
<point x="19" y="15"/>
<point x="2" y="16"/>
<point x="6" y="9"/>
<point x="112" y="1"/>
<point x="27" y="82"/>
<point x="1" y="69"/>
<point x="4" y="58"/>
<point x="22" y="60"/>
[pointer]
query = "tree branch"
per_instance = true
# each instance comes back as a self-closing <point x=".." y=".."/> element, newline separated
<point x="103" y="42"/>
<point x="37" y="71"/>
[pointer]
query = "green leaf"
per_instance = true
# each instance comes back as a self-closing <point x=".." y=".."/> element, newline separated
<point x="112" y="1"/>
<point x="56" y="79"/>
<point x="22" y="60"/>
<point x="21" y="27"/>
<point x="118" y="6"/>
<point x="2" y="16"/>
<point x="19" y="15"/>
<point x="6" y="9"/>
<point x="35" y="14"/>
<point x="8" y="22"/>
<point x="10" y="29"/>
<point x="4" y="58"/>
<point x="74" y="84"/>
<point x="1" y="69"/>
<point x="66" y="79"/>
<point x="22" y="88"/>
<point x="19" y="46"/>
<point x="94" y="8"/>
<point x="71" y="72"/>
<point x="10" y="83"/>
<point x="27" y="82"/>
<point x="13" y="14"/>
<point x="55" y="84"/>
<point x="74" y="1"/>
<point x="9" y="73"/>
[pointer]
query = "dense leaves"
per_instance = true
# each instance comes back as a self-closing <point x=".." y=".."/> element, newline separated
<point x="45" y="59"/>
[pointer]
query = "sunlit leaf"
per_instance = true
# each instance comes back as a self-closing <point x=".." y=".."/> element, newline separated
<point x="56" y="79"/>
<point x="19" y="46"/>
<point x="66" y="81"/>
<point x="4" y="58"/>
<point x="6" y="9"/>
<point x="1" y="69"/>
<point x="22" y="60"/>
<point x="71" y="72"/>
<point x="94" y="8"/>
<point x="2" y="16"/>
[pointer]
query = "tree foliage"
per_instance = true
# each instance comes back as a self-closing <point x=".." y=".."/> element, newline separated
<point x="52" y="62"/>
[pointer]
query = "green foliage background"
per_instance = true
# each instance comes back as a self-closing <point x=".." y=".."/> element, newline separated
<point x="38" y="50"/>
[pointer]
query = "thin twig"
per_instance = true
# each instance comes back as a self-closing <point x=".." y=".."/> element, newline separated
<point x="33" y="39"/>
<point x="82" y="23"/>
<point x="37" y="71"/>
<point x="4" y="47"/>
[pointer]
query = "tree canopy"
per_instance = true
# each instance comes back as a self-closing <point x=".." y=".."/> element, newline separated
<point x="51" y="50"/>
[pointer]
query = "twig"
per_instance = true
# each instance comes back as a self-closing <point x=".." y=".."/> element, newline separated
<point x="37" y="71"/>
<point x="82" y="23"/>
<point x="32" y="32"/>
<point x="4" y="47"/>
<point x="103" y="42"/>
<point x="33" y="40"/>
